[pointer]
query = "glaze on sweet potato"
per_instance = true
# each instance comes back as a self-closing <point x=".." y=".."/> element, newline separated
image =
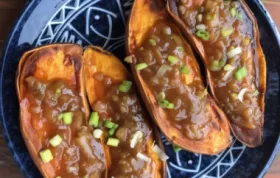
<point x="251" y="136"/>
<point x="99" y="62"/>
<point x="48" y="64"/>
<point x="145" y="15"/>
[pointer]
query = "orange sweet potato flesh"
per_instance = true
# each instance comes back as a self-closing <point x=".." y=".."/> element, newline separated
<point x="47" y="63"/>
<point x="143" y="16"/>
<point x="251" y="137"/>
<point x="97" y="60"/>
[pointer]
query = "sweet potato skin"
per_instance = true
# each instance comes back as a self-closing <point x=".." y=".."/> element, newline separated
<point x="49" y="62"/>
<point x="249" y="137"/>
<point x="143" y="16"/>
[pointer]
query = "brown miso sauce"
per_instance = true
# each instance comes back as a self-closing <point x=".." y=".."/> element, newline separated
<point x="79" y="154"/>
<point x="213" y="16"/>
<point x="191" y="113"/>
<point x="125" y="110"/>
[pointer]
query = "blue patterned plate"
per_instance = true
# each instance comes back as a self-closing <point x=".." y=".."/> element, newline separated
<point x="102" y="22"/>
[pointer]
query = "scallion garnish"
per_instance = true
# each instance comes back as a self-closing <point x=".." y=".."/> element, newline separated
<point x="163" y="69"/>
<point x="136" y="138"/>
<point x="113" y="142"/>
<point x="109" y="124"/>
<point x="240" y="15"/>
<point x="176" y="148"/>
<point x="233" y="12"/>
<point x="228" y="67"/>
<point x="143" y="157"/>
<point x="128" y="59"/>
<point x="94" y="119"/>
<point x="152" y="41"/>
<point x="166" y="104"/>
<point x="97" y="133"/>
<point x="172" y="59"/>
<point x="141" y="66"/>
<point x="184" y="69"/>
<point x="46" y="155"/>
<point x="125" y="86"/>
<point x="161" y="96"/>
<point x="202" y="34"/>
<point x="216" y="65"/>
<point x="199" y="17"/>
<point x="234" y="52"/>
<point x="113" y="129"/>
<point x="66" y="117"/>
<point x="256" y="93"/>
<point x="227" y="31"/>
<point x="55" y="141"/>
<point x="240" y="73"/>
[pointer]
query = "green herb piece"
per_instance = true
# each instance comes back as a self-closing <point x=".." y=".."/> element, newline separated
<point x="240" y="73"/>
<point x="46" y="155"/>
<point x="202" y="34"/>
<point x="176" y="148"/>
<point x="227" y="31"/>
<point x="228" y="67"/>
<point x="161" y="96"/>
<point x="172" y="59"/>
<point x="216" y="65"/>
<point x="240" y="15"/>
<point x="56" y="140"/>
<point x="113" y="129"/>
<point x="141" y="66"/>
<point x="109" y="124"/>
<point x="166" y="104"/>
<point x="184" y="69"/>
<point x="233" y="12"/>
<point x="94" y="119"/>
<point x="113" y="142"/>
<point x="152" y="41"/>
<point x="125" y="86"/>
<point x="180" y="49"/>
<point x="199" y="17"/>
<point x="256" y="93"/>
<point x="128" y="59"/>
<point x="66" y="117"/>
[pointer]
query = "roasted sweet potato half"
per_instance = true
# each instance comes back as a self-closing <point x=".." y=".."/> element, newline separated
<point x="168" y="77"/>
<point x="226" y="36"/>
<point x="112" y="96"/>
<point x="54" y="113"/>
<point x="64" y="140"/>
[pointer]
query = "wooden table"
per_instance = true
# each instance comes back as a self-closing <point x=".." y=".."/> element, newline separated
<point x="9" y="11"/>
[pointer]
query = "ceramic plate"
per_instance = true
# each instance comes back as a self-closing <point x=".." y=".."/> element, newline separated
<point x="102" y="23"/>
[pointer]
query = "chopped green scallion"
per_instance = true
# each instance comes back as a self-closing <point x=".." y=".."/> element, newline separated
<point x="66" y="117"/>
<point x="216" y="65"/>
<point x="128" y="59"/>
<point x="227" y="31"/>
<point x="166" y="104"/>
<point x="172" y="59"/>
<point x="113" y="142"/>
<point x="176" y="148"/>
<point x="125" y="86"/>
<point x="240" y="73"/>
<point x="46" y="155"/>
<point x="152" y="41"/>
<point x="94" y="119"/>
<point x="180" y="49"/>
<point x="141" y="66"/>
<point x="228" y="67"/>
<point x="56" y="140"/>
<point x="202" y="34"/>
<point x="161" y="96"/>
<point x="233" y="12"/>
<point x="184" y="69"/>
<point x="113" y="130"/>
<point x="109" y="124"/>
<point x="97" y="133"/>
<point x="240" y="15"/>
<point x="256" y="93"/>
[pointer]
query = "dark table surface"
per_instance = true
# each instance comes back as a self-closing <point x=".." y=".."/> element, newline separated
<point x="10" y="10"/>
